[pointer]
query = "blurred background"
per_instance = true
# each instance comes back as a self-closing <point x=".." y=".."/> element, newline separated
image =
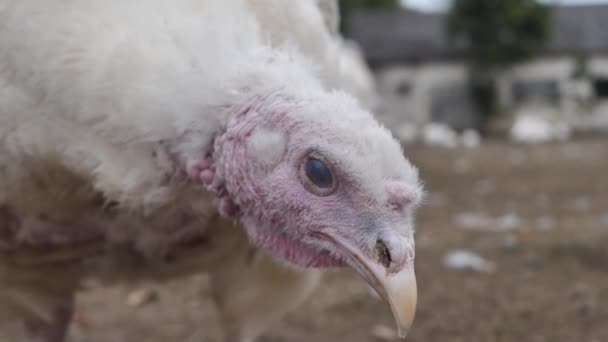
<point x="503" y="105"/>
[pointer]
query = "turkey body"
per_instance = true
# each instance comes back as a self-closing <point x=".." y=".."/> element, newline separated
<point x="67" y="170"/>
<point x="115" y="119"/>
<point x="88" y="107"/>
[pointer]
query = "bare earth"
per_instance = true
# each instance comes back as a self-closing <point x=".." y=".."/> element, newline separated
<point x="551" y="255"/>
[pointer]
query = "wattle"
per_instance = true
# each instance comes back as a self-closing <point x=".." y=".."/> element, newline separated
<point x="295" y="252"/>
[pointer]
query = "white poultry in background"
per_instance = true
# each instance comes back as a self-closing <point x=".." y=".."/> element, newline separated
<point x="126" y="127"/>
<point x="536" y="124"/>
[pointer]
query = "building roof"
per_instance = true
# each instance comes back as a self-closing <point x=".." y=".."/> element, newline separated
<point x="579" y="29"/>
<point x="397" y="35"/>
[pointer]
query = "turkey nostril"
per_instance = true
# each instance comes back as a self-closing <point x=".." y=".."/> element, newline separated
<point x="384" y="255"/>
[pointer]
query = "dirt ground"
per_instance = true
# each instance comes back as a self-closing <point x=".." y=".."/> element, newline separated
<point x="538" y="212"/>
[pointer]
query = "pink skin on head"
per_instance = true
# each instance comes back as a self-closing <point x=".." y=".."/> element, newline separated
<point x="363" y="219"/>
<point x="279" y="213"/>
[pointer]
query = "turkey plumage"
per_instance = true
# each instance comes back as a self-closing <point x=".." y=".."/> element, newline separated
<point x="129" y="128"/>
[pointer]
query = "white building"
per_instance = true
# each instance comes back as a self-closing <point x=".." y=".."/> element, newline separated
<point x="422" y="77"/>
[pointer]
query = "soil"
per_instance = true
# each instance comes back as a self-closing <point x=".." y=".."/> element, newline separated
<point x="546" y="231"/>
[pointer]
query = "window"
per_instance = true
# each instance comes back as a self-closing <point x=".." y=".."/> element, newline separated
<point x="546" y="92"/>
<point x="600" y="87"/>
<point x="452" y="104"/>
<point x="403" y="88"/>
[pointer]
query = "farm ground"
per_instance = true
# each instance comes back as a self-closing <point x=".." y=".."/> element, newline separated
<point x="540" y="213"/>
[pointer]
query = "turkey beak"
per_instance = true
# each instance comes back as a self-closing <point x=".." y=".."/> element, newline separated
<point x="390" y="271"/>
<point x="398" y="290"/>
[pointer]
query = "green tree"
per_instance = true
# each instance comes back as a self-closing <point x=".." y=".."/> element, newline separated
<point x="498" y="33"/>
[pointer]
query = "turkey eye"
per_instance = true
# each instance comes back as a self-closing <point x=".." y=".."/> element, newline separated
<point x="318" y="173"/>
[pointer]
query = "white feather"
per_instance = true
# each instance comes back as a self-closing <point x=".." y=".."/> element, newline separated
<point x="89" y="88"/>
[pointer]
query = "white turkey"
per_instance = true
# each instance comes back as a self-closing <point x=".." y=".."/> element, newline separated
<point x="127" y="127"/>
